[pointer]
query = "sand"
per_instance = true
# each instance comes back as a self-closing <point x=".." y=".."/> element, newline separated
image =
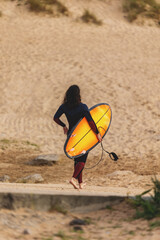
<point x="117" y="63"/>
<point x="114" y="223"/>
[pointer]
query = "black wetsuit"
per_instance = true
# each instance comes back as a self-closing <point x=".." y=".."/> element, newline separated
<point x="73" y="116"/>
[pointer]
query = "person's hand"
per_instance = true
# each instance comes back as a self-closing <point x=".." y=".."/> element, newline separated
<point x="65" y="129"/>
<point x="99" y="137"/>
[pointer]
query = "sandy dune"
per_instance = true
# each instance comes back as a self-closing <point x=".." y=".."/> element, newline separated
<point x="117" y="63"/>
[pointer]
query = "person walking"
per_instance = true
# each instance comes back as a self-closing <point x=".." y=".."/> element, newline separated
<point x="74" y="110"/>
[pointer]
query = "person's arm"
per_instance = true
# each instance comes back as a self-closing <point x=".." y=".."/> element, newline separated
<point x="56" y="118"/>
<point x="93" y="125"/>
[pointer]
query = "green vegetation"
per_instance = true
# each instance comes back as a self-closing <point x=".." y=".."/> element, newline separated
<point x="48" y="6"/>
<point x="109" y="207"/>
<point x="88" y="220"/>
<point x="131" y="233"/>
<point x="62" y="236"/>
<point x="80" y="238"/>
<point x="59" y="209"/>
<point x="147" y="8"/>
<point x="8" y="143"/>
<point x="154" y="224"/>
<point x="117" y="226"/>
<point x="5" y="143"/>
<point x="50" y="238"/>
<point x="31" y="144"/>
<point x="150" y="208"/>
<point x="89" y="17"/>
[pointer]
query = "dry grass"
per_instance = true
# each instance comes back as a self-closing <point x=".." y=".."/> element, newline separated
<point x="37" y="6"/>
<point x="89" y="17"/>
<point x="54" y="7"/>
<point x="61" y="8"/>
<point x="147" y="8"/>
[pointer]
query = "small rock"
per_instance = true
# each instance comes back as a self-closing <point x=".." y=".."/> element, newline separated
<point x="44" y="160"/>
<point x="35" y="178"/>
<point x="4" y="178"/>
<point x="26" y="232"/>
<point x="78" y="222"/>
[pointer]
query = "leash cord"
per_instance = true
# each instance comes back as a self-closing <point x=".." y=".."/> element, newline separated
<point x="112" y="156"/>
<point x="99" y="160"/>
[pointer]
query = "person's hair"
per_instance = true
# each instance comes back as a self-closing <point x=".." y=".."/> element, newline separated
<point x="72" y="96"/>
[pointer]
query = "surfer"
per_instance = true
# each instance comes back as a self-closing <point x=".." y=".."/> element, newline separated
<point x="74" y="110"/>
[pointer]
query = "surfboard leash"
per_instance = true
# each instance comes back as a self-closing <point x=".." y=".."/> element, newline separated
<point x="113" y="156"/>
<point x="97" y="162"/>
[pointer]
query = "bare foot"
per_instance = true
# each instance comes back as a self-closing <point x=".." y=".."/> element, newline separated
<point x="73" y="182"/>
<point x="82" y="185"/>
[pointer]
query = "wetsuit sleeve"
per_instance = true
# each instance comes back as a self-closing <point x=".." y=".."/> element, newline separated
<point x="90" y="120"/>
<point x="57" y="116"/>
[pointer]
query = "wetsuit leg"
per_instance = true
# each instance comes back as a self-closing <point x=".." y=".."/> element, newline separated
<point x="79" y="166"/>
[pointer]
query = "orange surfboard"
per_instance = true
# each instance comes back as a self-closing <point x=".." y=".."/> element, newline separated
<point x="82" y="139"/>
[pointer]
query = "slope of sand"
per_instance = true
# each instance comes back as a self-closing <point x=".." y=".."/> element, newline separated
<point x="117" y="63"/>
